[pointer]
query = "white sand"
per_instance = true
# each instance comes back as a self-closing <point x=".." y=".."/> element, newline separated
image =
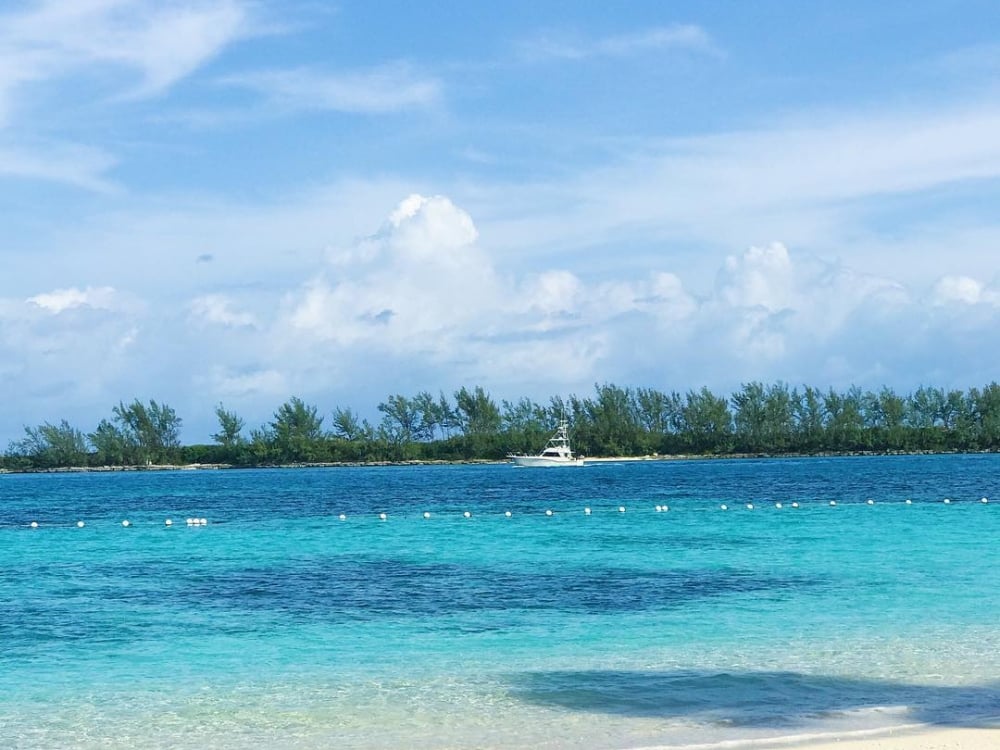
<point x="932" y="738"/>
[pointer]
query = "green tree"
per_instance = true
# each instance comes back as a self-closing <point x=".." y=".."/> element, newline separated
<point x="750" y="417"/>
<point x="708" y="422"/>
<point x="476" y="412"/>
<point x="346" y="424"/>
<point x="152" y="431"/>
<point x="111" y="445"/>
<point x="296" y="433"/>
<point x="49" y="446"/>
<point x="230" y="428"/>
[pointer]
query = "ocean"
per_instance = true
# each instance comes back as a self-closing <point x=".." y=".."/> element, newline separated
<point x="657" y="619"/>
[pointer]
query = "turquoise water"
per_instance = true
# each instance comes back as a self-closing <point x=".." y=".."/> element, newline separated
<point x="280" y="625"/>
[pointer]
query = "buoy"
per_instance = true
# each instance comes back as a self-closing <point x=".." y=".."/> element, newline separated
<point x="343" y="517"/>
<point x="778" y="505"/>
<point x="871" y="502"/>
<point x="168" y="522"/>
<point x="666" y="508"/>
<point x="126" y="523"/>
<point x="749" y="506"/>
<point x="426" y="514"/>
<point x="383" y="516"/>
<point x="833" y="502"/>
<point x="80" y="524"/>
<point x="947" y="501"/>
<point x="203" y="521"/>
<point x="724" y="507"/>
<point x="507" y="513"/>
<point x="658" y="508"/>
<point x="33" y="524"/>
<point x="467" y="514"/>
<point x="621" y="508"/>
<point x="586" y="511"/>
<point x="189" y="521"/>
<point x="984" y="500"/>
<point x="909" y="502"/>
<point x="795" y="505"/>
<point x="548" y="512"/>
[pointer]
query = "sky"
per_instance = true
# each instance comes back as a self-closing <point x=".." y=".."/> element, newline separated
<point x="241" y="201"/>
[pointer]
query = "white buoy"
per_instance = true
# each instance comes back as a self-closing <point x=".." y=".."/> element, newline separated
<point x="548" y="512"/>
<point x="168" y="522"/>
<point x="621" y="508"/>
<point x="984" y="500"/>
<point x="33" y="524"/>
<point x="666" y="508"/>
<point x="833" y="502"/>
<point x="343" y="517"/>
<point x="467" y="514"/>
<point x="658" y="508"/>
<point x="795" y="505"/>
<point x="80" y="524"/>
<point x="426" y="514"/>
<point x="203" y="521"/>
<point x="779" y="506"/>
<point x="947" y="501"/>
<point x="871" y="502"/>
<point x="723" y="507"/>
<point x="586" y="511"/>
<point x="909" y="502"/>
<point x="189" y="521"/>
<point x="126" y="523"/>
<point x="749" y="506"/>
<point x="382" y="516"/>
<point x="507" y="514"/>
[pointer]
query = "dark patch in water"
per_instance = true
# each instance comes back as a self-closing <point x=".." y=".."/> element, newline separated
<point x="751" y="699"/>
<point x="353" y="589"/>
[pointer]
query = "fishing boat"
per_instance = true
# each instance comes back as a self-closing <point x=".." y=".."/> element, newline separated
<point x="555" y="453"/>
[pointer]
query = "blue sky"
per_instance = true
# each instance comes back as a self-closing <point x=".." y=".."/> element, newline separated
<point x="239" y="201"/>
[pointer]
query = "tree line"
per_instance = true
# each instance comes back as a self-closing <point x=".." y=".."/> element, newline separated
<point x="773" y="419"/>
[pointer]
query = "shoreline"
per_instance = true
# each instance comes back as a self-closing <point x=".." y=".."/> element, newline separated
<point x="904" y="737"/>
<point x="923" y="737"/>
<point x="481" y="461"/>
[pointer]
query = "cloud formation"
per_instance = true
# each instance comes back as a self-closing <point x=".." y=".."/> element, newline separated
<point x="422" y="304"/>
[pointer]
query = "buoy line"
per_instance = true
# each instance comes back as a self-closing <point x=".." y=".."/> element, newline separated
<point x="383" y="516"/>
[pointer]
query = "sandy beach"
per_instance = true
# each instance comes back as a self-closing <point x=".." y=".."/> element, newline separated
<point x="918" y="739"/>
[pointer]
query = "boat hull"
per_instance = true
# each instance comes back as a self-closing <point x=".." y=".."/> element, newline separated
<point x="545" y="462"/>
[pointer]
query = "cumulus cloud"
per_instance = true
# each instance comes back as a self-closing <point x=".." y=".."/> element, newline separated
<point x="218" y="309"/>
<point x="424" y="304"/>
<point x="55" y="302"/>
<point x="949" y="290"/>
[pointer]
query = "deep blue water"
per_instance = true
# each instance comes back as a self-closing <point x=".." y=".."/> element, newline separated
<point x="278" y="624"/>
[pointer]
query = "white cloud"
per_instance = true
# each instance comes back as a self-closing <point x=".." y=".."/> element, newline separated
<point x="385" y="89"/>
<point x="218" y="309"/>
<point x="422" y="304"/>
<point x="566" y="46"/>
<point x="420" y="278"/>
<point x="223" y="382"/>
<point x="163" y="41"/>
<point x="963" y="290"/>
<point x="55" y="302"/>
<point x="66" y="163"/>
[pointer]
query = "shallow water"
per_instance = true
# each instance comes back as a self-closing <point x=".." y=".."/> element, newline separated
<point x="279" y="625"/>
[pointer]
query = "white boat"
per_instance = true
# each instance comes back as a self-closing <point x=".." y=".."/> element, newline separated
<point x="555" y="453"/>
